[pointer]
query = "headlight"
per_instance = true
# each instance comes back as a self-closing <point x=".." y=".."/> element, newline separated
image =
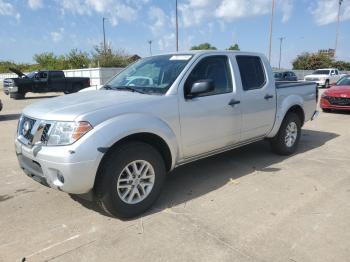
<point x="66" y="133"/>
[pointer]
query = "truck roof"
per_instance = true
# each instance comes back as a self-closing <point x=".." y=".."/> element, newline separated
<point x="200" y="52"/>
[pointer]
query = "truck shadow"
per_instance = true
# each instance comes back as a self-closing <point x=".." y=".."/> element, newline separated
<point x="39" y="97"/>
<point x="9" y="117"/>
<point x="201" y="177"/>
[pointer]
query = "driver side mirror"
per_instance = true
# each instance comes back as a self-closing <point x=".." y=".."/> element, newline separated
<point x="201" y="87"/>
<point x="36" y="77"/>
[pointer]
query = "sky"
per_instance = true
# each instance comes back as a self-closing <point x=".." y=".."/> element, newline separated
<point x="35" y="26"/>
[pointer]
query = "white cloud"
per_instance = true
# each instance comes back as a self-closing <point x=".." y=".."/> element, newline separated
<point x="114" y="10"/>
<point x="7" y="9"/>
<point x="160" y="25"/>
<point x="35" y="4"/>
<point x="325" y="11"/>
<point x="194" y="12"/>
<point x="58" y="35"/>
<point x="287" y="9"/>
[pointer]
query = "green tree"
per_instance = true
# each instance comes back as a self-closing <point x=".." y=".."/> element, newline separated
<point x="309" y="61"/>
<point x="50" y="61"/>
<point x="77" y="59"/>
<point x="341" y="65"/>
<point x="203" y="46"/>
<point x="234" y="47"/>
<point x="109" y="57"/>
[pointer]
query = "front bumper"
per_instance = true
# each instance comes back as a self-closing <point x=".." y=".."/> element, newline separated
<point x="47" y="165"/>
<point x="318" y="82"/>
<point x="325" y="104"/>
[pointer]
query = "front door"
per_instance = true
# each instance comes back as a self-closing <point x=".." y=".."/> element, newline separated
<point x="258" y="98"/>
<point x="212" y="120"/>
<point x="41" y="82"/>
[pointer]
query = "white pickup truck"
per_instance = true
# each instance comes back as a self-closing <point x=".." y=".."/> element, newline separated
<point x="324" y="77"/>
<point x="117" y="144"/>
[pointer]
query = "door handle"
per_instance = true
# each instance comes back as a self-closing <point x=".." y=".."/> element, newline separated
<point x="234" y="102"/>
<point x="267" y="96"/>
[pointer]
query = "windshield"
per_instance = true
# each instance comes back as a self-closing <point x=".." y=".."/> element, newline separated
<point x="150" y="75"/>
<point x="321" y="72"/>
<point x="278" y="75"/>
<point x="345" y="81"/>
<point x="31" y="74"/>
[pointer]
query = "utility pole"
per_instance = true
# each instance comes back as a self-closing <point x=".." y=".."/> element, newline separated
<point x="271" y="24"/>
<point x="279" y="62"/>
<point x="177" y="27"/>
<point x="150" y="47"/>
<point x="104" y="34"/>
<point x="337" y="34"/>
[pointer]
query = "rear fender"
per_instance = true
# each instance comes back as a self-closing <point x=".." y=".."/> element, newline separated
<point x="282" y="109"/>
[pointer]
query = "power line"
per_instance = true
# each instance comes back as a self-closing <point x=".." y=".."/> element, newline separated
<point x="279" y="61"/>
<point x="177" y="27"/>
<point x="150" y="47"/>
<point x="271" y="24"/>
<point x="337" y="32"/>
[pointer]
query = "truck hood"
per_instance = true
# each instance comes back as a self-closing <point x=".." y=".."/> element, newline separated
<point x="17" y="72"/>
<point x="69" y="107"/>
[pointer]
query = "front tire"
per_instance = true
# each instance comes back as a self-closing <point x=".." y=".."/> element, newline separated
<point x="287" y="139"/>
<point x="132" y="178"/>
<point x="326" y="84"/>
<point x="17" y="96"/>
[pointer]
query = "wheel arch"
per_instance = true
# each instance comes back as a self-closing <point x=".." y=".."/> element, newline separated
<point x="293" y="104"/>
<point x="146" y="137"/>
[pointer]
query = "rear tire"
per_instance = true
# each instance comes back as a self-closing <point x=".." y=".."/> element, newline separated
<point x="131" y="179"/>
<point x="287" y="139"/>
<point x="17" y="96"/>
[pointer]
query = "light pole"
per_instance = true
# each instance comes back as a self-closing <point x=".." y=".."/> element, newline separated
<point x="337" y="34"/>
<point x="279" y="61"/>
<point x="150" y="47"/>
<point x="104" y="34"/>
<point x="177" y="27"/>
<point x="271" y="24"/>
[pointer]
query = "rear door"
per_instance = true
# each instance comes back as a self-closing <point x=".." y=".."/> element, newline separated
<point x="212" y="120"/>
<point x="258" y="98"/>
<point x="57" y="82"/>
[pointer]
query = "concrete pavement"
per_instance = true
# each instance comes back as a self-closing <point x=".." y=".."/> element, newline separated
<point x="244" y="205"/>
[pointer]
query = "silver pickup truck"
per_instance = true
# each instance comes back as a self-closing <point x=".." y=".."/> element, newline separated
<point x="117" y="144"/>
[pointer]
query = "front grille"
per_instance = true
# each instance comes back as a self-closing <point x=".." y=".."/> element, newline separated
<point x="8" y="83"/>
<point x="45" y="135"/>
<point x="311" y="79"/>
<point x="338" y="101"/>
<point x="31" y="131"/>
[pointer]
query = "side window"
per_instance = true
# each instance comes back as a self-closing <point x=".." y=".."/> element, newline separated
<point x="336" y="72"/>
<point x="215" y="68"/>
<point x="43" y="75"/>
<point x="252" y="72"/>
<point x="56" y="75"/>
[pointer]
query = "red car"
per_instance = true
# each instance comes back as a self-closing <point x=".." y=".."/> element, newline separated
<point x="338" y="96"/>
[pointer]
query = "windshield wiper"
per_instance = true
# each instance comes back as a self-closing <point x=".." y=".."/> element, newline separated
<point x="129" y="88"/>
